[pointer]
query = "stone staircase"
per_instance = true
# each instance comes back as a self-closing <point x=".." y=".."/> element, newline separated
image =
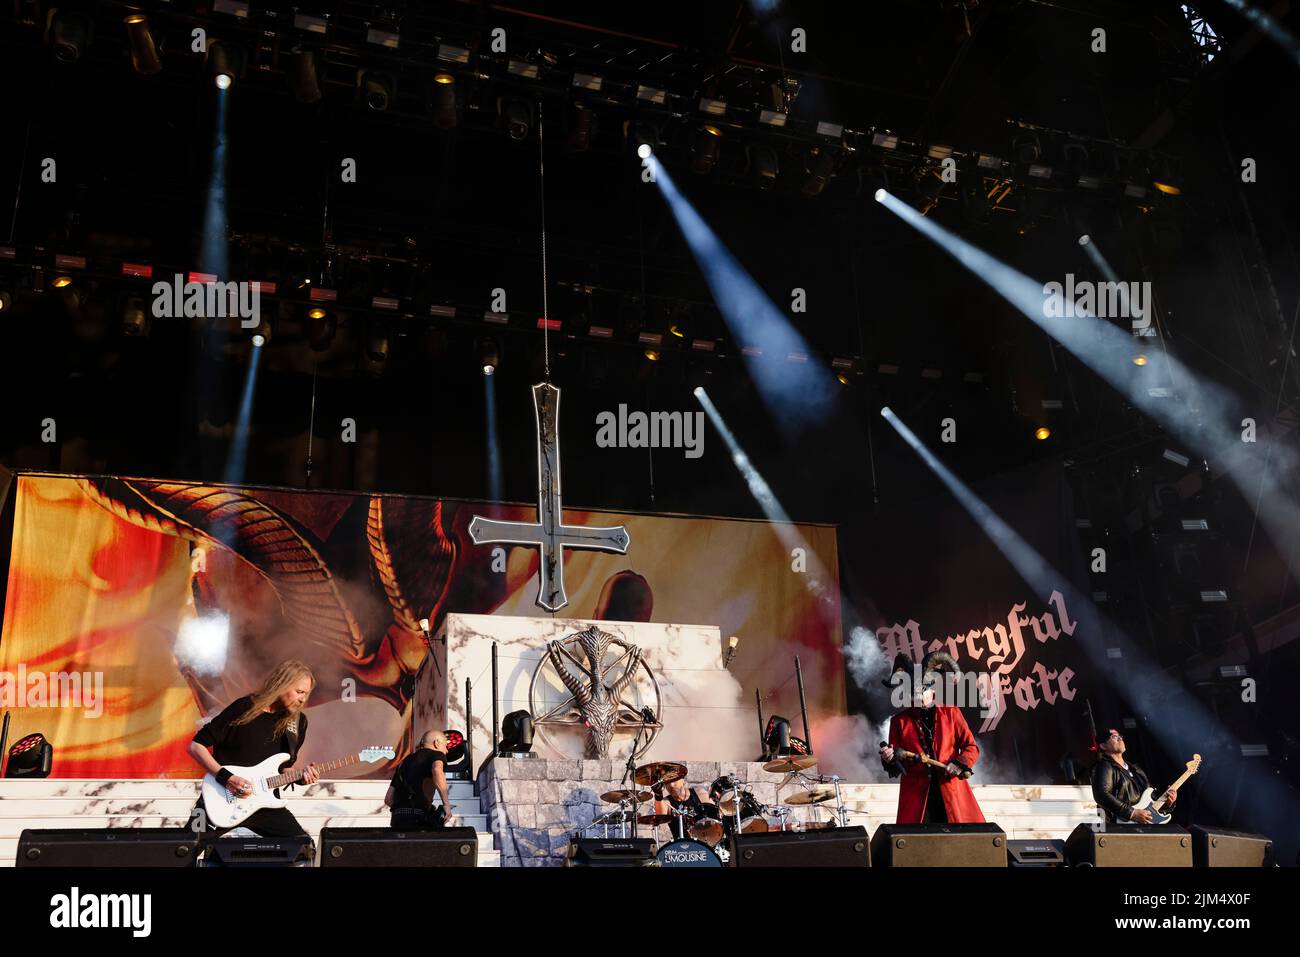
<point x="1025" y="812"/>
<point x="72" y="803"/>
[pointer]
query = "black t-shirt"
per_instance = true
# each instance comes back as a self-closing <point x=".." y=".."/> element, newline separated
<point x="244" y="745"/>
<point x="408" y="779"/>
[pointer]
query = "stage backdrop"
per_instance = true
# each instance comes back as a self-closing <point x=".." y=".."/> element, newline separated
<point x="135" y="608"/>
<point x="923" y="576"/>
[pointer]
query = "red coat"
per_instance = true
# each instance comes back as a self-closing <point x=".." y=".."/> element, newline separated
<point x="953" y="741"/>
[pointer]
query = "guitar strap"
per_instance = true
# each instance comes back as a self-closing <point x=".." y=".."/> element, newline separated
<point x="291" y="742"/>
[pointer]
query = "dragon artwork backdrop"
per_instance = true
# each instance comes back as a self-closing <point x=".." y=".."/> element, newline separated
<point x="181" y="596"/>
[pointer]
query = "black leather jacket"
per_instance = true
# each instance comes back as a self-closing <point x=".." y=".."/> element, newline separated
<point x="1115" y="791"/>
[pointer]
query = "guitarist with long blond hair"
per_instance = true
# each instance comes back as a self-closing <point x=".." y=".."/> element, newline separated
<point x="250" y="730"/>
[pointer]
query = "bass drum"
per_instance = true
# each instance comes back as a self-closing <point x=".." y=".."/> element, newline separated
<point x="687" y="854"/>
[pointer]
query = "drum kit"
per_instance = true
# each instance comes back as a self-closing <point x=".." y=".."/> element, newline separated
<point x="700" y="838"/>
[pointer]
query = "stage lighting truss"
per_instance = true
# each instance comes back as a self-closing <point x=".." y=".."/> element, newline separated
<point x="753" y="108"/>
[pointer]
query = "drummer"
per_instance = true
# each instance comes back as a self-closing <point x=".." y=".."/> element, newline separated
<point x="677" y="796"/>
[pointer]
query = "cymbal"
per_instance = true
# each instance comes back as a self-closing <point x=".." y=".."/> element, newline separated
<point x="815" y="796"/>
<point x="654" y="820"/>
<point x="661" y="771"/>
<point x="613" y="797"/>
<point x="793" y="762"/>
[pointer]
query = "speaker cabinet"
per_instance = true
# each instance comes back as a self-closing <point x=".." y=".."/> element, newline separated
<point x="1129" y="845"/>
<point x="1218" y="847"/>
<point x="939" y="845"/>
<point x="832" y="847"/>
<point x="108" y="847"/>
<point x="610" y="852"/>
<point x="389" y="847"/>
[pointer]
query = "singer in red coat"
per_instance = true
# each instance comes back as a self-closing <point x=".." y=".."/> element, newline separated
<point x="926" y="793"/>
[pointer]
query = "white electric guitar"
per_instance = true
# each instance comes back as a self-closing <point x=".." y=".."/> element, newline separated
<point x="226" y="810"/>
<point x="1157" y="808"/>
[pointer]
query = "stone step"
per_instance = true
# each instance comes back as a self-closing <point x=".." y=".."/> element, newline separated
<point x="983" y="792"/>
<point x="143" y="788"/>
<point x="990" y="808"/>
<point x="180" y="806"/>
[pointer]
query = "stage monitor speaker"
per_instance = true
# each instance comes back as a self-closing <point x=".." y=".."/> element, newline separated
<point x="939" y="845"/>
<point x="1219" y="847"/>
<point x="1129" y="845"/>
<point x="390" y="847"/>
<point x="1044" y="853"/>
<point x="108" y="847"/>
<point x="258" y="852"/>
<point x="832" y="847"/>
<point x="611" y="852"/>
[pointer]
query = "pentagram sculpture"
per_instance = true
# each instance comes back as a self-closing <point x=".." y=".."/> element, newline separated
<point x="605" y="697"/>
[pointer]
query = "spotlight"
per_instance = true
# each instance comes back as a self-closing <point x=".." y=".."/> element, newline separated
<point x="259" y="340"/>
<point x="262" y="334"/>
<point x="1027" y="148"/>
<point x="820" y="166"/>
<point x="645" y="136"/>
<point x="1169" y="189"/>
<point x="516" y="733"/>
<point x="226" y="62"/>
<point x="698" y="391"/>
<point x="444" y="101"/>
<point x="652" y="355"/>
<point x="489" y="355"/>
<point x="763" y="165"/>
<point x="30" y="757"/>
<point x="6" y="300"/>
<point x="68" y="35"/>
<point x="678" y="330"/>
<point x="880" y="196"/>
<point x="1139" y="360"/>
<point x="842" y="378"/>
<point x="1085" y="239"/>
<point x="708" y="142"/>
<point x="135" y="321"/>
<point x="144" y="53"/>
<point x="376" y="352"/>
<point x="583" y="128"/>
<point x="1042" y="433"/>
<point x="62" y="282"/>
<point x="320" y="329"/>
<point x="303" y="79"/>
<point x="377" y="88"/>
<point x="517" y="116"/>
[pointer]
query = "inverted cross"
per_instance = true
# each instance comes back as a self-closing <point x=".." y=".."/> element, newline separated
<point x="549" y="533"/>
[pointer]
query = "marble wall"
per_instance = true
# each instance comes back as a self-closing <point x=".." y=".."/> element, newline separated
<point x="697" y="691"/>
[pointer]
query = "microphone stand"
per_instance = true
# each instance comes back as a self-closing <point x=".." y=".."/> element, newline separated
<point x="629" y="771"/>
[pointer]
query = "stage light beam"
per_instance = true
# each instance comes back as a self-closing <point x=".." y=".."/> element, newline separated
<point x="1200" y="412"/>
<point x="797" y="393"/>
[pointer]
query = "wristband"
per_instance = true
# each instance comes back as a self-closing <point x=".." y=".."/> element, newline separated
<point x="224" y="776"/>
